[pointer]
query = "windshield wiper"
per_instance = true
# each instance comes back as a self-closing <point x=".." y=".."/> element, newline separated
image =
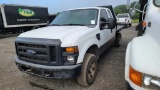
<point x="74" y="24"/>
<point x="55" y="25"/>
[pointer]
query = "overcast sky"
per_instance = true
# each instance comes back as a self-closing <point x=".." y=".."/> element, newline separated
<point x="55" y="6"/>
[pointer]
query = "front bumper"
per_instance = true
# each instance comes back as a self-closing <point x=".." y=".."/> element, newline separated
<point x="129" y="86"/>
<point x="48" y="71"/>
<point x="122" y="23"/>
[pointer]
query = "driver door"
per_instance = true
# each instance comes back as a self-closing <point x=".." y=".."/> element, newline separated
<point x="104" y="33"/>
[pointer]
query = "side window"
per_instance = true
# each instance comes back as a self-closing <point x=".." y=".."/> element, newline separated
<point x="104" y="15"/>
<point x="128" y="15"/>
<point x="110" y="14"/>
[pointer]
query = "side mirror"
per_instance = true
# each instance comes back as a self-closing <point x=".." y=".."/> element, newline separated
<point x="110" y="24"/>
<point x="132" y="12"/>
<point x="103" y="19"/>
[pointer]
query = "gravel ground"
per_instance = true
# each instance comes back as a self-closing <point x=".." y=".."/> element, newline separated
<point x="110" y="70"/>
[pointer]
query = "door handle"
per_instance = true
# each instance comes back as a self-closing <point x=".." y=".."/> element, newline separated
<point x="98" y="36"/>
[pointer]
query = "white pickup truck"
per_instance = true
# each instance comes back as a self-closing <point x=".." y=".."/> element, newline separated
<point x="124" y="19"/>
<point x="143" y="52"/>
<point x="70" y="46"/>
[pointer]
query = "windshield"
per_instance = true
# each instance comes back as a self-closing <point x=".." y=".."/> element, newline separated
<point x="122" y="16"/>
<point x="157" y="3"/>
<point x="77" y="17"/>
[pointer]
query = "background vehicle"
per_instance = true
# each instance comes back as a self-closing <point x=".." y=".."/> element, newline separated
<point x="52" y="17"/>
<point x="142" y="55"/>
<point x="124" y="19"/>
<point x="17" y="18"/>
<point x="70" y="46"/>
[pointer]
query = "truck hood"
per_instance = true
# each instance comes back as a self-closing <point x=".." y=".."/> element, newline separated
<point x="146" y="55"/>
<point x="64" y="33"/>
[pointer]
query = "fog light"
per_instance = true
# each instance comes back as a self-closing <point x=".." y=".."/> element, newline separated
<point x="70" y="58"/>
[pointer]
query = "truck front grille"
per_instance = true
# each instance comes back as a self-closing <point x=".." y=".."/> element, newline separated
<point x="32" y="52"/>
<point x="39" y="51"/>
<point x="53" y="54"/>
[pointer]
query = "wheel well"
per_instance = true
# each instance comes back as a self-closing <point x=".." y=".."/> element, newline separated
<point x="94" y="50"/>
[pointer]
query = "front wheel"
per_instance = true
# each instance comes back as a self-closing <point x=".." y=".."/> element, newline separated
<point x="130" y="24"/>
<point x="118" y="40"/>
<point x="88" y="71"/>
<point x="129" y="87"/>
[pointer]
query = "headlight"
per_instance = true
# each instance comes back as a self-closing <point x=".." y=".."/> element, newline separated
<point x="70" y="55"/>
<point x="70" y="58"/>
<point x="143" y="80"/>
<point x="151" y="82"/>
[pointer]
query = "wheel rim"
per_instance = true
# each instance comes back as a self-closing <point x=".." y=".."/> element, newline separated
<point x="91" y="70"/>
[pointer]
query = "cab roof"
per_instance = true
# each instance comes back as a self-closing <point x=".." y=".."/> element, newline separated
<point x="98" y="7"/>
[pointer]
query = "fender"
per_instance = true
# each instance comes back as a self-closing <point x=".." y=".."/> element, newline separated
<point x="143" y="55"/>
<point x="127" y="61"/>
<point x="83" y="49"/>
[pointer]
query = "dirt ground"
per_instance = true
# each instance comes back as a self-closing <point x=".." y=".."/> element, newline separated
<point x="110" y="70"/>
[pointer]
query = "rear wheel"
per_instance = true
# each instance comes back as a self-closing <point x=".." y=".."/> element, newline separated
<point x="88" y="71"/>
<point x="130" y="24"/>
<point x="118" y="40"/>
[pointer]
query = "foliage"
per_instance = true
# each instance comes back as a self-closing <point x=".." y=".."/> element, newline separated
<point x="135" y="20"/>
<point x="122" y="9"/>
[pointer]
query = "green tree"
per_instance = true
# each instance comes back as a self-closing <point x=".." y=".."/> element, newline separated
<point x="122" y="9"/>
<point x="133" y="3"/>
<point x="136" y="16"/>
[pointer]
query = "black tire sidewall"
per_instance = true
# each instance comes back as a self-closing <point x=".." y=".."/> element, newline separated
<point x="130" y="24"/>
<point x="118" y="39"/>
<point x="82" y="78"/>
<point x="129" y="87"/>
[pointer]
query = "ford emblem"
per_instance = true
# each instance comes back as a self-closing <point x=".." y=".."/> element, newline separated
<point x="31" y="52"/>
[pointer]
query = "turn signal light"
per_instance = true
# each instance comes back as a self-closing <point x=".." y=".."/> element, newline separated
<point x="135" y="76"/>
<point x="72" y="49"/>
<point x="144" y="24"/>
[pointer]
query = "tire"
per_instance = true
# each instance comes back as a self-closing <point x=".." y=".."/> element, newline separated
<point x="130" y="24"/>
<point x="88" y="70"/>
<point x="117" y="40"/>
<point x="129" y="87"/>
<point x="140" y="33"/>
